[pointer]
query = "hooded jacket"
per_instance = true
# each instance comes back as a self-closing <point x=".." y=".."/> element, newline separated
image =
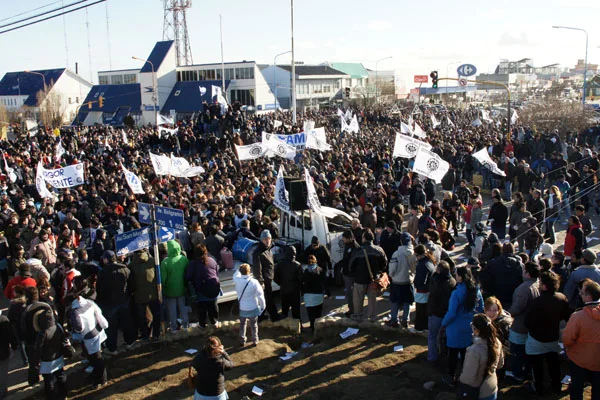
<point x="439" y="294"/>
<point x="143" y="277"/>
<point x="172" y="270"/>
<point x="581" y="337"/>
<point x="502" y="277"/>
<point x="402" y="265"/>
<point x="112" y="286"/>
<point x="572" y="286"/>
<point x="288" y="272"/>
<point x="573" y="239"/>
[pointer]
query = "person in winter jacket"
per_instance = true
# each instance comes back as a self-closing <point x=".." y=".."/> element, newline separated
<point x="203" y="273"/>
<point x="88" y="323"/>
<point x="8" y="339"/>
<point x="210" y="365"/>
<point x="24" y="279"/>
<point x="46" y="248"/>
<point x="465" y="301"/>
<point x="350" y="245"/>
<point x="70" y="272"/>
<point x="251" y="298"/>
<point x="313" y="290"/>
<point x="574" y="240"/>
<point x="263" y="269"/>
<point x="533" y="238"/>
<point x="401" y="272"/>
<point x="288" y="275"/>
<point x="498" y="217"/>
<point x="543" y="324"/>
<point x="390" y="239"/>
<point x="482" y="359"/>
<point x="442" y="285"/>
<point x="37" y="269"/>
<point x="172" y="272"/>
<point x="588" y="270"/>
<point x="145" y="293"/>
<point x="113" y="297"/>
<point x="521" y="304"/>
<point x="424" y="270"/>
<point x="501" y="319"/>
<point x="480" y="241"/>
<point x="369" y="218"/>
<point x="537" y="207"/>
<point x="412" y="226"/>
<point x="553" y="205"/>
<point x="502" y="275"/>
<point x="581" y="338"/>
<point x="518" y="223"/>
<point x="321" y="253"/>
<point x="426" y="221"/>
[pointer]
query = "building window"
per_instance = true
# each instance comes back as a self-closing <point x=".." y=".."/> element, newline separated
<point x="116" y="79"/>
<point x="326" y="88"/>
<point x="103" y="80"/>
<point x="229" y="73"/>
<point x="245" y="97"/>
<point x="70" y="100"/>
<point x="130" y="78"/>
<point x="76" y="100"/>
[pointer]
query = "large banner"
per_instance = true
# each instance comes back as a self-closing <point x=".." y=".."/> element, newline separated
<point x="40" y="183"/>
<point x="64" y="177"/>
<point x="282" y="197"/>
<point x="408" y="147"/>
<point x="429" y="164"/>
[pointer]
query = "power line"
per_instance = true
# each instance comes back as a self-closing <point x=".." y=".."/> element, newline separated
<point x="42" y="14"/>
<point x="52" y="16"/>
<point x="27" y="12"/>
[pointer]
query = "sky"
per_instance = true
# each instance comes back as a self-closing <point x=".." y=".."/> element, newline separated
<point x="420" y="36"/>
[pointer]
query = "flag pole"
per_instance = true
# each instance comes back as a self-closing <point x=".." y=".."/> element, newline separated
<point x="222" y="60"/>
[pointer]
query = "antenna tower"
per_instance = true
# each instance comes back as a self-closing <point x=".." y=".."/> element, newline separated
<point x="175" y="28"/>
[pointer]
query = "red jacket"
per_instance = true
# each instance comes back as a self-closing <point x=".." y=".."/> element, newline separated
<point x="573" y="240"/>
<point x="18" y="280"/>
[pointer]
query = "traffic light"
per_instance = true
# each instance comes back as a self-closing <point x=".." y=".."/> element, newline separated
<point x="348" y="92"/>
<point x="434" y="79"/>
<point x="101" y="101"/>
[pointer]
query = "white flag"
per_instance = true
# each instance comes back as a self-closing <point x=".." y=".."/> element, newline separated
<point x="513" y="117"/>
<point x="340" y="113"/>
<point x="167" y="132"/>
<point x="316" y="139"/>
<point x="353" y="127"/>
<point x="485" y="115"/>
<point x="279" y="147"/>
<point x="161" y="164"/>
<point x="191" y="172"/>
<point x="162" y="120"/>
<point x="309" y="125"/>
<point x="419" y="132"/>
<point x="411" y="121"/>
<point x="484" y="158"/>
<point x="345" y="126"/>
<point x="348" y="115"/>
<point x="476" y="122"/>
<point x="277" y="124"/>
<point x="450" y="123"/>
<point x="178" y="165"/>
<point x="406" y="129"/>
<point x="65" y="177"/>
<point x="124" y="136"/>
<point x="312" y="199"/>
<point x="250" y="152"/>
<point x="60" y="150"/>
<point x="407" y="147"/>
<point x="217" y="92"/>
<point x="434" y="121"/>
<point x="40" y="183"/>
<point x="429" y="164"/>
<point x="282" y="196"/>
<point x="9" y="171"/>
<point x="135" y="184"/>
<point x="32" y="127"/>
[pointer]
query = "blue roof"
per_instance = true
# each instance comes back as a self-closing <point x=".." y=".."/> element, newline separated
<point x="449" y="89"/>
<point x="158" y="54"/>
<point x="187" y="97"/>
<point x="116" y="99"/>
<point x="26" y="83"/>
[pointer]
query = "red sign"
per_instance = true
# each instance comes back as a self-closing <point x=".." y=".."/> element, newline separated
<point x="421" y="79"/>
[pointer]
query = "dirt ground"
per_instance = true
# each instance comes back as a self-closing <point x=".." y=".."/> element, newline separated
<point x="359" y="367"/>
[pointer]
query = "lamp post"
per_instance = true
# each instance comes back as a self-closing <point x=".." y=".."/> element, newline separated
<point x="274" y="78"/>
<point x="36" y="73"/>
<point x="377" y="77"/>
<point x="154" y="90"/>
<point x="585" y="62"/>
<point x="293" y="66"/>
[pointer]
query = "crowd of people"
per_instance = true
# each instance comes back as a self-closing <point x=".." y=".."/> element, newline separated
<point x="67" y="286"/>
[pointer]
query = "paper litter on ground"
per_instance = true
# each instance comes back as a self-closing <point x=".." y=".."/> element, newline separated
<point x="257" y="391"/>
<point x="398" y="348"/>
<point x="194" y="324"/>
<point x="386" y="294"/>
<point x="306" y="345"/>
<point x="340" y="297"/>
<point x="288" y="355"/>
<point x="348" y="332"/>
<point x="191" y="351"/>
<point x="566" y="380"/>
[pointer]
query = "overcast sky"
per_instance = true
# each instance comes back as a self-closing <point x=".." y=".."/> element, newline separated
<point x="421" y="36"/>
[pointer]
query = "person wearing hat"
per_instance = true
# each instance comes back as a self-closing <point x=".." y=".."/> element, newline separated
<point x="263" y="269"/>
<point x="402" y="271"/>
<point x="172" y="272"/>
<point x="589" y="270"/>
<point x="23" y="278"/>
<point x="28" y="333"/>
<point x="322" y="255"/>
<point x="113" y="297"/>
<point x="87" y="321"/>
<point x="526" y="178"/>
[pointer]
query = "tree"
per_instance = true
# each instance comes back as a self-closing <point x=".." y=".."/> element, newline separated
<point x="555" y="114"/>
<point x="52" y="107"/>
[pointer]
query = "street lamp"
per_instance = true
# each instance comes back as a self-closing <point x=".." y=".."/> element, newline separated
<point x="293" y="66"/>
<point x="274" y="80"/>
<point x="377" y="77"/>
<point x="586" y="52"/>
<point x="447" y="66"/>
<point x="154" y="90"/>
<point x="38" y="73"/>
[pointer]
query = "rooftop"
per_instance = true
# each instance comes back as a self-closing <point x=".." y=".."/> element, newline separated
<point x="158" y="54"/>
<point x="314" y="70"/>
<point x="28" y="83"/>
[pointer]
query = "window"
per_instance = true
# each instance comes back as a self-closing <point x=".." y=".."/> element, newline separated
<point x="337" y="84"/>
<point x="103" y="80"/>
<point x="245" y="97"/>
<point x="229" y="73"/>
<point x="70" y="100"/>
<point x="318" y="88"/>
<point x="76" y="100"/>
<point x="326" y="88"/>
<point x="130" y="78"/>
<point x="116" y="79"/>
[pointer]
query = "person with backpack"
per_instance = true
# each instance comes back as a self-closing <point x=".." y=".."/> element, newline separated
<point x="203" y="274"/>
<point x="251" y="299"/>
<point x="481" y="242"/>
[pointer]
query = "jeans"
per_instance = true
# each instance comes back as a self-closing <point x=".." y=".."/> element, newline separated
<point x="314" y="313"/>
<point x="578" y="378"/>
<point x="518" y="362"/>
<point x="270" y="300"/>
<point x="174" y="305"/>
<point x="290" y="300"/>
<point x="395" y="309"/>
<point x="119" y="317"/>
<point x="99" y="372"/>
<point x="210" y="308"/>
<point x="435" y="323"/>
<point x="359" y="300"/>
<point x="564" y="212"/>
<point x="537" y="367"/>
<point x="142" y="320"/>
<point x="33" y="373"/>
<point x="550" y="230"/>
<point x="421" y="316"/>
<point x="508" y="190"/>
<point x="453" y="354"/>
<point x="349" y="290"/>
<point x="253" y="327"/>
<point x="55" y="385"/>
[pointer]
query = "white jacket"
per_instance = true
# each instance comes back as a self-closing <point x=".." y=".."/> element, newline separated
<point x="254" y="296"/>
<point x="402" y="265"/>
<point x="88" y="322"/>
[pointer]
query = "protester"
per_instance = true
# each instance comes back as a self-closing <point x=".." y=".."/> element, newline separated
<point x="423" y="271"/>
<point x="442" y="285"/>
<point x="402" y="271"/>
<point x="263" y="269"/>
<point x="210" y="365"/>
<point x="203" y="274"/>
<point x="313" y="290"/>
<point x="288" y="275"/>
<point x="8" y="339"/>
<point x="350" y="245"/>
<point x="23" y="279"/>
<point x="172" y="272"/>
<point x="145" y="294"/>
<point x="251" y="300"/>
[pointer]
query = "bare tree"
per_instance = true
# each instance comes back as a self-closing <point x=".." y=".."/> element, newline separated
<point x="564" y="116"/>
<point x="4" y="117"/>
<point x="52" y="107"/>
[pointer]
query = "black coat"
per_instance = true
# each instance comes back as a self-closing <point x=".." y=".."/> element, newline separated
<point x="344" y="263"/>
<point x="313" y="281"/>
<point x="7" y="337"/>
<point x="112" y="286"/>
<point x="359" y="266"/>
<point x="499" y="213"/>
<point x="288" y="274"/>
<point x="210" y="380"/>
<point x="322" y="255"/>
<point x="440" y="289"/>
<point x="390" y="242"/>
<point x="263" y="266"/>
<point x="501" y="277"/>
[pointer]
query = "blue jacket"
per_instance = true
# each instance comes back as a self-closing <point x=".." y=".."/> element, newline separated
<point x="457" y="320"/>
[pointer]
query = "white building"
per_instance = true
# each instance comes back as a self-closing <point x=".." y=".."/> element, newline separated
<point x="19" y="91"/>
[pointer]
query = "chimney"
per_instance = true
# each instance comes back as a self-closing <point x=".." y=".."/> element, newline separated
<point x="77" y="68"/>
